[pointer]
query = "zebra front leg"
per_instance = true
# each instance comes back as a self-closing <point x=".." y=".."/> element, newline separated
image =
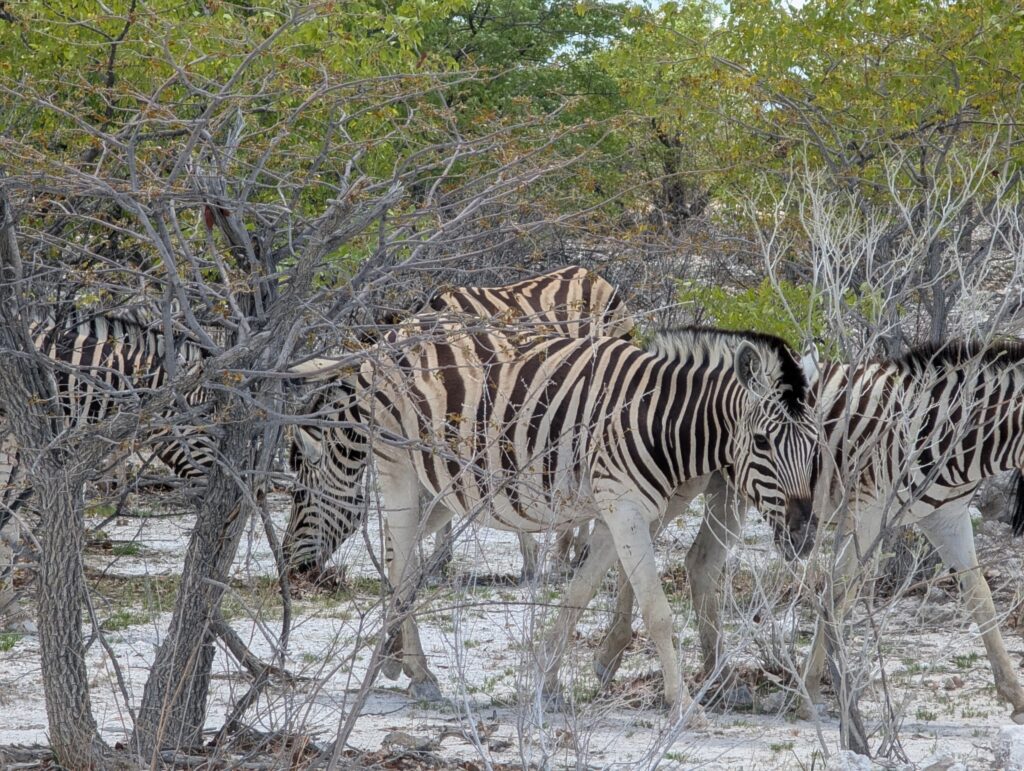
<point x="528" y="548"/>
<point x="404" y="532"/>
<point x="705" y="568"/>
<point x="951" y="533"/>
<point x="443" y="554"/>
<point x="836" y="599"/>
<point x="620" y="634"/>
<point x="631" y="534"/>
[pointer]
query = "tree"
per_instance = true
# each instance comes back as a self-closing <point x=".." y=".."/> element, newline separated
<point x="286" y="169"/>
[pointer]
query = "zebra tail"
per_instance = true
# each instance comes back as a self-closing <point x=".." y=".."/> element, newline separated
<point x="1018" y="504"/>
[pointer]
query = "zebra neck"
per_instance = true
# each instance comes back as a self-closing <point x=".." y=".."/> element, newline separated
<point x="699" y="411"/>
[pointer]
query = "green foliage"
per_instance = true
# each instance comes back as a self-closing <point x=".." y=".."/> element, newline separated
<point x="786" y="310"/>
<point x="122" y="618"/>
<point x="796" y="313"/>
<point x="862" y="93"/>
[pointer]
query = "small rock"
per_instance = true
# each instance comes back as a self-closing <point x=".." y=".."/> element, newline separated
<point x="954" y="682"/>
<point x="1009" y="748"/>
<point x="409" y="742"/>
<point x="772" y="704"/>
<point x="936" y="596"/>
<point x="847" y="760"/>
<point x="934" y="614"/>
<point x="940" y="762"/>
<point x="730" y="697"/>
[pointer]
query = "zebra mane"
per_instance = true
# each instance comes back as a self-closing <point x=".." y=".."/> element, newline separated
<point x="713" y="344"/>
<point x="937" y="357"/>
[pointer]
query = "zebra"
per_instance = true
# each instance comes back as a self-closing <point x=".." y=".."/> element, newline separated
<point x="571" y="301"/>
<point x="99" y="361"/>
<point x="548" y="434"/>
<point x="918" y="434"/>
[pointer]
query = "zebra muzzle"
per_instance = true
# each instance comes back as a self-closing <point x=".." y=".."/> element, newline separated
<point x="798" y="535"/>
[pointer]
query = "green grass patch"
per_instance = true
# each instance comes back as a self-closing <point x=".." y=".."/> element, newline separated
<point x="100" y="511"/>
<point x="8" y="640"/>
<point x="126" y="550"/>
<point x="966" y="660"/>
<point x="122" y="618"/>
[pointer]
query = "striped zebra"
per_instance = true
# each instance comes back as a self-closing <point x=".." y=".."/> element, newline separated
<point x="100" y="363"/>
<point x="549" y="434"/>
<point x="572" y="302"/>
<point x="918" y="433"/>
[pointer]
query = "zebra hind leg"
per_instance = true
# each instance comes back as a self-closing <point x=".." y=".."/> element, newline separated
<point x="620" y="633"/>
<point x="581" y="590"/>
<point x="951" y="533"/>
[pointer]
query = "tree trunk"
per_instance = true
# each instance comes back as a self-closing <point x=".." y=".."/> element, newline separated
<point x="173" y="709"/>
<point x="73" y="735"/>
<point x="28" y="393"/>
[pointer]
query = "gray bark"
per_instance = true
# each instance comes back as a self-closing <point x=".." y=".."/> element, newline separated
<point x="28" y="393"/>
<point x="173" y="709"/>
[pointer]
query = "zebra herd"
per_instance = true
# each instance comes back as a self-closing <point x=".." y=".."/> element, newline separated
<point x="529" y="408"/>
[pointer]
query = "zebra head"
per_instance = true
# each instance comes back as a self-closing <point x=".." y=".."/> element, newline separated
<point x="775" y="440"/>
<point x="327" y="494"/>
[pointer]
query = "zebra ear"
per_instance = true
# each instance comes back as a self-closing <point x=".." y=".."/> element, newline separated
<point x="750" y="367"/>
<point x="809" y="363"/>
<point x="307" y="445"/>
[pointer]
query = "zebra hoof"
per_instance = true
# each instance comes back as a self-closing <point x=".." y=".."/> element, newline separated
<point x="1018" y="717"/>
<point x="425" y="690"/>
<point x="528" y="578"/>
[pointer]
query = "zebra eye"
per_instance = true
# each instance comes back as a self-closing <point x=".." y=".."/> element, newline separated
<point x="761" y="442"/>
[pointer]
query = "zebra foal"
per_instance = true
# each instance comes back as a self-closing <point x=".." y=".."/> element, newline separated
<point x="572" y="302"/>
<point x="550" y="434"/>
<point x="908" y="441"/>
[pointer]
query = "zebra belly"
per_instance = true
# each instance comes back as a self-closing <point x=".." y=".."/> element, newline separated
<point x="519" y="503"/>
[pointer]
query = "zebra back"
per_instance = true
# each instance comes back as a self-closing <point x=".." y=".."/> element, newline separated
<point x="103" y="361"/>
<point x="327" y="501"/>
<point x="928" y="426"/>
<point x="570" y="301"/>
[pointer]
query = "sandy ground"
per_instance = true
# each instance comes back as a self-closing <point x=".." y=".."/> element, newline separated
<point x="480" y="639"/>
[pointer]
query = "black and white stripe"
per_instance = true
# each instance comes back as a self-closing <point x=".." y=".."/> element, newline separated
<point x="328" y="503"/>
<point x="547" y="434"/>
<point x="102" y="362"/>
<point x="909" y="440"/>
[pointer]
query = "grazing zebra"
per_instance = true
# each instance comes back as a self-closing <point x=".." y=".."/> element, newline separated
<point x="573" y="302"/>
<point x="101" y="361"/>
<point x="918" y="434"/>
<point x="549" y="434"/>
